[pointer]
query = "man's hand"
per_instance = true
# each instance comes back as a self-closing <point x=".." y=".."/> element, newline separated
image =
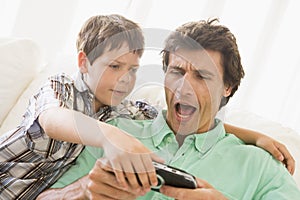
<point x="203" y="192"/>
<point x="103" y="184"/>
<point x="76" y="190"/>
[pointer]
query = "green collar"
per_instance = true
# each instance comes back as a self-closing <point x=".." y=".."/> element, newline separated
<point x="203" y="142"/>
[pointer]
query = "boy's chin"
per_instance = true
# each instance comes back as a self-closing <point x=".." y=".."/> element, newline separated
<point x="115" y="102"/>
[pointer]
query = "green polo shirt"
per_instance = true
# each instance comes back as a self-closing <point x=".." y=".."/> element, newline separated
<point x="237" y="170"/>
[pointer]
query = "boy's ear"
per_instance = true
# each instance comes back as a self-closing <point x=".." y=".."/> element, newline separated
<point x="83" y="62"/>
<point x="227" y="91"/>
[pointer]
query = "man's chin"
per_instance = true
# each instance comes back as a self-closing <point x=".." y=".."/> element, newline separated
<point x="185" y="129"/>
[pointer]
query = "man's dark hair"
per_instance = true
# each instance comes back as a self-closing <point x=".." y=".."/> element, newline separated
<point x="209" y="36"/>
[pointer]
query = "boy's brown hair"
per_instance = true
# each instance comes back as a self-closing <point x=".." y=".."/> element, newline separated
<point x="108" y="32"/>
<point x="207" y="35"/>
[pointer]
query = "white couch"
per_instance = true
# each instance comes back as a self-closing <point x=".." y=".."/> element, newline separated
<point x="23" y="71"/>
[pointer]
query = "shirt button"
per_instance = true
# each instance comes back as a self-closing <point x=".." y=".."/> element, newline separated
<point x="169" y="139"/>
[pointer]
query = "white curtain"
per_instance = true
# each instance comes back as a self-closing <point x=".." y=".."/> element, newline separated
<point x="266" y="30"/>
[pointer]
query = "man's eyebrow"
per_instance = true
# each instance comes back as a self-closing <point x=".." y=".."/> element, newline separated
<point x="203" y="72"/>
<point x="175" y="66"/>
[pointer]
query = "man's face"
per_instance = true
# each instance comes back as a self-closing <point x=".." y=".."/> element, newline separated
<point x="194" y="88"/>
<point x="112" y="76"/>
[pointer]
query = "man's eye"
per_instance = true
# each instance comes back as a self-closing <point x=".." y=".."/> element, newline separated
<point x="114" y="66"/>
<point x="199" y="76"/>
<point x="175" y="71"/>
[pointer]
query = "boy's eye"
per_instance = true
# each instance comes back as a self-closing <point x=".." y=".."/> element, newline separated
<point x="133" y="70"/>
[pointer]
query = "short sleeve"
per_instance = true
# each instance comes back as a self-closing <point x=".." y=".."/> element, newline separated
<point x="56" y="92"/>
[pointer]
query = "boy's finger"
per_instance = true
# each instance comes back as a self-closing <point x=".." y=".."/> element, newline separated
<point x="277" y="154"/>
<point x="150" y="169"/>
<point x="156" y="158"/>
<point x="288" y="159"/>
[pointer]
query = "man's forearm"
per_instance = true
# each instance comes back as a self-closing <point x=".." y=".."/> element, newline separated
<point x="76" y="190"/>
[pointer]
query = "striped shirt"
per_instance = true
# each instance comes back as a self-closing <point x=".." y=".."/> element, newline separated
<point x="30" y="161"/>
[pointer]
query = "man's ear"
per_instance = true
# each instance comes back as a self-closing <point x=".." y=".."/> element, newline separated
<point x="227" y="91"/>
<point x="83" y="62"/>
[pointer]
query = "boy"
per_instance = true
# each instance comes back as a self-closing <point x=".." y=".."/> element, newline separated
<point x="65" y="109"/>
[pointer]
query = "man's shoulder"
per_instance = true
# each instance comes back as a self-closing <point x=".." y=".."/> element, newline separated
<point x="122" y="122"/>
<point x="238" y="147"/>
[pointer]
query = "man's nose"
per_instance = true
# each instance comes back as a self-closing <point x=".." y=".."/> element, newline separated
<point x="184" y="87"/>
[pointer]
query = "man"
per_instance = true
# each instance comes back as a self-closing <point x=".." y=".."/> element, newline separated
<point x="202" y="71"/>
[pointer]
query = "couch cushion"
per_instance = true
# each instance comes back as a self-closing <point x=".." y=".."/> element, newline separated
<point x="20" y="61"/>
<point x="63" y="63"/>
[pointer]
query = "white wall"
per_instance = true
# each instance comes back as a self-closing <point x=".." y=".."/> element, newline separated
<point x="267" y="34"/>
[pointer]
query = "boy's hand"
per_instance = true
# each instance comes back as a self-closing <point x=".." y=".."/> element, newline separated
<point x="129" y="158"/>
<point x="278" y="150"/>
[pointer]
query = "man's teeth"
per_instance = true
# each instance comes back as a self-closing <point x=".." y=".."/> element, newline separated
<point x="183" y="116"/>
<point x="184" y="110"/>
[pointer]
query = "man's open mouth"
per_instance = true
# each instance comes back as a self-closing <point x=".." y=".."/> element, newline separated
<point x="184" y="111"/>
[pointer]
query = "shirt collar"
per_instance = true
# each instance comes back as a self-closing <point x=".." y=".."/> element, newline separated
<point x="205" y="141"/>
<point x="89" y="96"/>
<point x="160" y="128"/>
<point x="80" y="85"/>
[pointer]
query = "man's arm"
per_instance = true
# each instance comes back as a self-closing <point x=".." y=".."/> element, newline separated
<point x="101" y="183"/>
<point x="76" y="190"/>
<point x="277" y="149"/>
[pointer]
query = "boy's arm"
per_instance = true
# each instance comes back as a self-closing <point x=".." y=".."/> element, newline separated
<point x="125" y="152"/>
<point x="277" y="149"/>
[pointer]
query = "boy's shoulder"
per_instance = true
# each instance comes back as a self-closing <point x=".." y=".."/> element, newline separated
<point x="62" y="78"/>
<point x="137" y="110"/>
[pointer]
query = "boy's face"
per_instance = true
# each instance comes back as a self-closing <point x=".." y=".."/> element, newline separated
<point x="194" y="89"/>
<point x="112" y="76"/>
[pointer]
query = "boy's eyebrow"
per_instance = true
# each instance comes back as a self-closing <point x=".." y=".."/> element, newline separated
<point x="123" y="63"/>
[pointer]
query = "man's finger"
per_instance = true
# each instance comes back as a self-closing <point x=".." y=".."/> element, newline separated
<point x="110" y="192"/>
<point x="104" y="164"/>
<point x="102" y="173"/>
<point x="202" y="183"/>
<point x="176" y="193"/>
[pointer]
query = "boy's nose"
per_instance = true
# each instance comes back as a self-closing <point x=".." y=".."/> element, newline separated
<point x="125" y="77"/>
